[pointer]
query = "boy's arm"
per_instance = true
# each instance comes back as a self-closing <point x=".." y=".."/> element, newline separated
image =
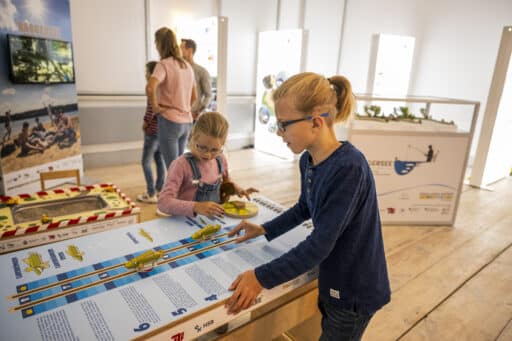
<point x="338" y="208"/>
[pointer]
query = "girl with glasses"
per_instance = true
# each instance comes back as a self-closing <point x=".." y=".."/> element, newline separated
<point x="194" y="179"/>
<point x="338" y="195"/>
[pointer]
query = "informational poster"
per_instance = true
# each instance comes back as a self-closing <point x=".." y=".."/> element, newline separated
<point x="279" y="57"/>
<point x="145" y="280"/>
<point x="418" y="175"/>
<point x="39" y="123"/>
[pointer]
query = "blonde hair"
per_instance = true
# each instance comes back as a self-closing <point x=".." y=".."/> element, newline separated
<point x="212" y="124"/>
<point x="168" y="45"/>
<point x="310" y="90"/>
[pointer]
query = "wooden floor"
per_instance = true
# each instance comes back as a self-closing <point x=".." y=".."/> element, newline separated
<point x="448" y="283"/>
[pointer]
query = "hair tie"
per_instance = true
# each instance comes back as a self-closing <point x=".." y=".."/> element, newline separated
<point x="334" y="87"/>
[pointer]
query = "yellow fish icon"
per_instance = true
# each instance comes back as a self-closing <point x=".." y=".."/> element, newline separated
<point x="35" y="263"/>
<point x="146" y="235"/>
<point x="75" y="252"/>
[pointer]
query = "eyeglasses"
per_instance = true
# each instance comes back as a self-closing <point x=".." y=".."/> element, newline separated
<point x="205" y="150"/>
<point x="283" y="124"/>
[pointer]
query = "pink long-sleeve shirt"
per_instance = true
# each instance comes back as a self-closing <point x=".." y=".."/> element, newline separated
<point x="177" y="196"/>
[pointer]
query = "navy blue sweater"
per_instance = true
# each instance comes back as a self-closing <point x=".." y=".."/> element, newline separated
<point x="339" y="196"/>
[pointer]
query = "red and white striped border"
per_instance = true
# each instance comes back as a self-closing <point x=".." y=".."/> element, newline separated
<point x="19" y="231"/>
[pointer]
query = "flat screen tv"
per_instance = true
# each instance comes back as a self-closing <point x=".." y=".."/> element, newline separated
<point x="40" y="61"/>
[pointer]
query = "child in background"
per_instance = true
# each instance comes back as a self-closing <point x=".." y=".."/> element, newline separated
<point x="338" y="194"/>
<point x="194" y="179"/>
<point x="151" y="150"/>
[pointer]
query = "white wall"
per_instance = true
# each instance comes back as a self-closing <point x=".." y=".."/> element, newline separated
<point x="364" y="19"/>
<point x="459" y="49"/>
<point x="456" y="41"/>
<point x="245" y="20"/>
<point x="109" y="45"/>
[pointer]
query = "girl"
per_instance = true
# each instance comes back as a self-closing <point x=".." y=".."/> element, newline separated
<point x="174" y="79"/>
<point x="194" y="179"/>
<point x="338" y="194"/>
<point x="151" y="150"/>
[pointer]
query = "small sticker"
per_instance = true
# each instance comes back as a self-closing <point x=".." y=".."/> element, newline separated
<point x="334" y="293"/>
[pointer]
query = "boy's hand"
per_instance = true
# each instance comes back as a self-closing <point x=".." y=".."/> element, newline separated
<point x="246" y="288"/>
<point x="144" y="126"/>
<point x="251" y="231"/>
<point x="209" y="209"/>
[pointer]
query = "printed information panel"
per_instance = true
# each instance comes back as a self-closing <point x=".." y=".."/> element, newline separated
<point x="417" y="175"/>
<point x="144" y="280"/>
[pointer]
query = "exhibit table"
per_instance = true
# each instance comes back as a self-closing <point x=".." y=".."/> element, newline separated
<point x="418" y="159"/>
<point x="92" y="287"/>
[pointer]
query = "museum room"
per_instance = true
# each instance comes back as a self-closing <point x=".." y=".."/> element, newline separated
<point x="168" y="169"/>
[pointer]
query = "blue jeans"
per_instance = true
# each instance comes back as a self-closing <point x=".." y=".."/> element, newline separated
<point x="341" y="324"/>
<point x="173" y="138"/>
<point x="151" y="151"/>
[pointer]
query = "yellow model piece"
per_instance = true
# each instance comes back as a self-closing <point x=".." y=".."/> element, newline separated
<point x="75" y="252"/>
<point x="12" y="201"/>
<point x="145" y="234"/>
<point x="206" y="231"/>
<point x="35" y="263"/>
<point x="240" y="209"/>
<point x="145" y="261"/>
<point x="45" y="219"/>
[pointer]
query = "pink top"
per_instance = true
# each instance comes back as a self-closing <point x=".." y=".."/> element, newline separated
<point x="177" y="196"/>
<point x="175" y="86"/>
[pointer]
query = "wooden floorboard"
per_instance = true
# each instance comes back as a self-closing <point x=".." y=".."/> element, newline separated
<point x="448" y="283"/>
<point x="486" y="300"/>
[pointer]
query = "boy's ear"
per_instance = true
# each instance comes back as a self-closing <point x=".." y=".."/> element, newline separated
<point x="317" y="122"/>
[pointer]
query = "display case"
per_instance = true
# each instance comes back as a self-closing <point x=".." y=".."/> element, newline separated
<point x="418" y="149"/>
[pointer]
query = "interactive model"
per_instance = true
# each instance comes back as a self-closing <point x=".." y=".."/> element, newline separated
<point x="28" y="220"/>
<point x="240" y="209"/>
<point x="206" y="232"/>
<point x="145" y="261"/>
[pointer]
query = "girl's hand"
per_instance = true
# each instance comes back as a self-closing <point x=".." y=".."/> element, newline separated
<point x="209" y="209"/>
<point x="245" y="192"/>
<point x="246" y="288"/>
<point x="251" y="231"/>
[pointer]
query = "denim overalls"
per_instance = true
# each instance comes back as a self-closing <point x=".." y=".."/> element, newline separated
<point x="205" y="192"/>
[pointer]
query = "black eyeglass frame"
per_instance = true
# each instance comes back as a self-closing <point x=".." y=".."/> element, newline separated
<point x="281" y="125"/>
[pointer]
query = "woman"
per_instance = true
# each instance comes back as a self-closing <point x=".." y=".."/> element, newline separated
<point x="173" y="79"/>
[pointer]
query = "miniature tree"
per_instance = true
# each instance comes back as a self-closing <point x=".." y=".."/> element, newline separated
<point x="425" y="114"/>
<point x="372" y="110"/>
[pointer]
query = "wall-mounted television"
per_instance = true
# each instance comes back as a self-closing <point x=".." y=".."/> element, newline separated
<point x="40" y="61"/>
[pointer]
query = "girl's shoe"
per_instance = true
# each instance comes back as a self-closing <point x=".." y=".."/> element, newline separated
<point x="144" y="197"/>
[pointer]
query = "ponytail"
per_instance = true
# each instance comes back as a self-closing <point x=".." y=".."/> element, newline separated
<point x="345" y="101"/>
<point x="168" y="45"/>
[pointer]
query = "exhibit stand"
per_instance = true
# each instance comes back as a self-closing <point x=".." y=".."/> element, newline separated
<point x="418" y="154"/>
<point x="272" y="70"/>
<point x="493" y="160"/>
<point x="210" y="35"/>
<point x="145" y="281"/>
